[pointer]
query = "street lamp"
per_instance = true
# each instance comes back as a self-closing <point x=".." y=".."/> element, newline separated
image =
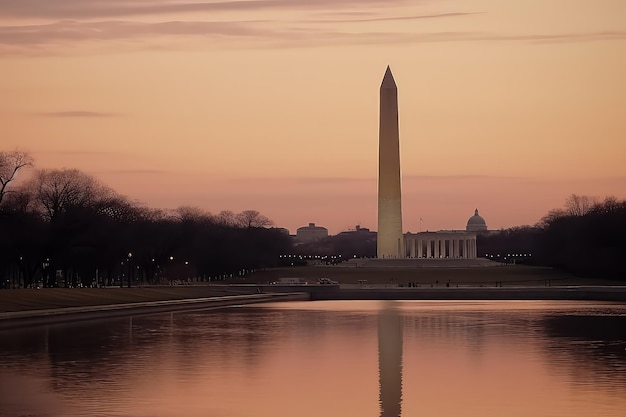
<point x="169" y="270"/>
<point x="130" y="255"/>
<point x="44" y="270"/>
<point x="20" y="269"/>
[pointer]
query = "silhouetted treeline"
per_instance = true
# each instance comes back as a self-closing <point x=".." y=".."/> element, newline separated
<point x="587" y="238"/>
<point x="63" y="227"/>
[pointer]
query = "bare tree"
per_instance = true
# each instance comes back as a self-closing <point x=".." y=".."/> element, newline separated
<point x="57" y="190"/>
<point x="252" y="218"/>
<point x="19" y="200"/>
<point x="609" y="205"/>
<point x="10" y="163"/>
<point x="575" y="206"/>
<point x="189" y="214"/>
<point x="226" y="218"/>
<point x="552" y="216"/>
<point x="579" y="205"/>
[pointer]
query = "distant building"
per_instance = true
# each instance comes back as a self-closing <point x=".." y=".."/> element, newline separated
<point x="358" y="231"/>
<point x="311" y="233"/>
<point x="282" y="230"/>
<point x="476" y="223"/>
<point x="448" y="244"/>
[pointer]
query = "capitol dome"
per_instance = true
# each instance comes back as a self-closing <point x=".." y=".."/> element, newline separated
<point x="476" y="223"/>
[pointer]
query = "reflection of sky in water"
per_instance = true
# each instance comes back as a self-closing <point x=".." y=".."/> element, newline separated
<point x="326" y="358"/>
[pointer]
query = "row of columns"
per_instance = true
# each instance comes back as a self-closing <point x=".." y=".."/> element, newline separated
<point x="440" y="247"/>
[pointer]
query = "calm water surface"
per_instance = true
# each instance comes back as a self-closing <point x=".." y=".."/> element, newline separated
<point x="326" y="359"/>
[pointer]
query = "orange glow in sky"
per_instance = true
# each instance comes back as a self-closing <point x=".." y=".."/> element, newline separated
<point x="506" y="106"/>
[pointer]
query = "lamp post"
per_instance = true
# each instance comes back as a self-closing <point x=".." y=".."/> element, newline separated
<point x="44" y="272"/>
<point x="130" y="255"/>
<point x="19" y="273"/>
<point x="169" y="270"/>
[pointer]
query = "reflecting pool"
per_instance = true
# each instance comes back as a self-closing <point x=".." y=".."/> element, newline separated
<point x="353" y="358"/>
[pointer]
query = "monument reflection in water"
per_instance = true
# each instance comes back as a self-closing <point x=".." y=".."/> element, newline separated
<point x="390" y="361"/>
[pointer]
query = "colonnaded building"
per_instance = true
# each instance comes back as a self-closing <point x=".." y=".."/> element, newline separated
<point x="446" y="243"/>
<point x="391" y="243"/>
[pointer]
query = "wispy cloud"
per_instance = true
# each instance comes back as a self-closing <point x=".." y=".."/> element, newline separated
<point x="74" y="22"/>
<point x="75" y="113"/>
<point x="99" y="9"/>
<point x="342" y="19"/>
<point x="120" y="25"/>
<point x="258" y="33"/>
<point x="468" y="177"/>
<point x="81" y="153"/>
<point x="368" y="180"/>
<point x="434" y="37"/>
<point x="535" y="38"/>
<point x="70" y="30"/>
<point x="135" y="172"/>
<point x="423" y="177"/>
<point x="299" y="181"/>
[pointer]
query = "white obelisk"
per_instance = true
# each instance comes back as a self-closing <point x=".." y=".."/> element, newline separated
<point x="390" y="241"/>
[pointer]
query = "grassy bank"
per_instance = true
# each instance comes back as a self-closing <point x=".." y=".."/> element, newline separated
<point x="47" y="298"/>
<point x="506" y="274"/>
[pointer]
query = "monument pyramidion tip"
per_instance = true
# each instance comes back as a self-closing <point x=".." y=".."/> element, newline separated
<point x="388" y="81"/>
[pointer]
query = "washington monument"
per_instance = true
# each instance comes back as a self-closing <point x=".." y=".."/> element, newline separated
<point x="389" y="238"/>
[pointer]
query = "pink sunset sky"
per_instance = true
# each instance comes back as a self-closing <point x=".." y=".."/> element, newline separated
<point x="507" y="106"/>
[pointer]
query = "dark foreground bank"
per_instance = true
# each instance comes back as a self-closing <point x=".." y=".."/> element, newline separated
<point x="48" y="298"/>
<point x="12" y="319"/>
<point x="427" y="274"/>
